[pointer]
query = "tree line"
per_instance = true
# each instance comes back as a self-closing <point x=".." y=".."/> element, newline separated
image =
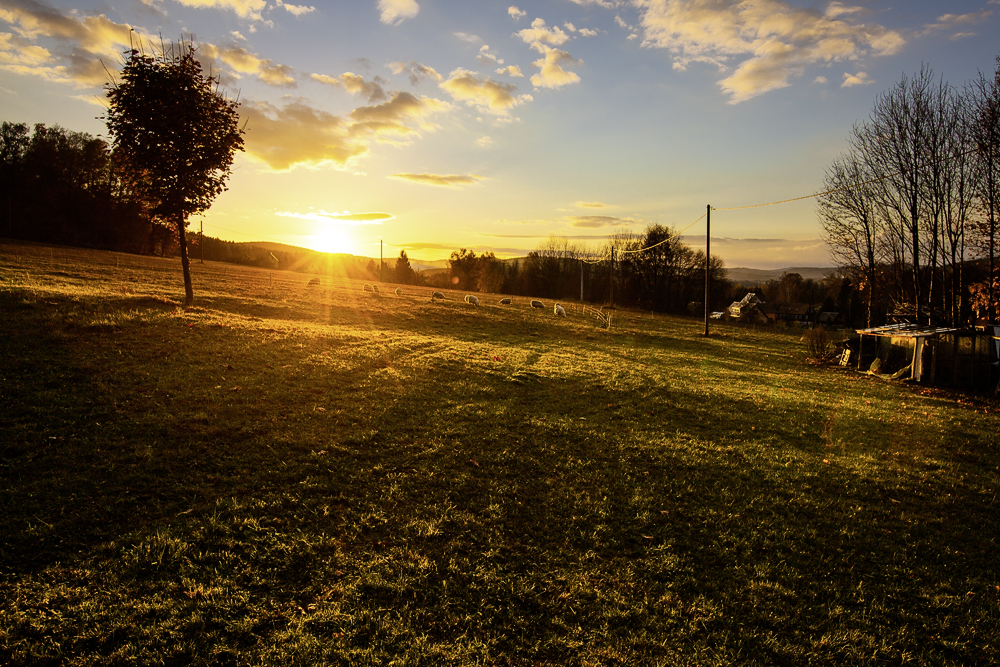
<point x="910" y="209"/>
<point x="652" y="270"/>
<point x="59" y="186"/>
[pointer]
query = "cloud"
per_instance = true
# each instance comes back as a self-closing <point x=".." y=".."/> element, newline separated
<point x="516" y="13"/>
<point x="300" y="135"/>
<point x="245" y="8"/>
<point x="484" y="94"/>
<point x="484" y="142"/>
<point x="487" y="58"/>
<point x="353" y="219"/>
<point x="394" y="12"/>
<point x="551" y="74"/>
<point x="416" y="71"/>
<point x="591" y="204"/>
<point x="355" y="83"/>
<point x="325" y="79"/>
<point x="441" y="180"/>
<point x="539" y="36"/>
<point x="296" y="10"/>
<point x="951" y="21"/>
<point x="511" y="71"/>
<point x="859" y="79"/>
<point x="241" y="61"/>
<point x="396" y="118"/>
<point x="76" y="49"/>
<point x="609" y="4"/>
<point x="596" y="221"/>
<point x="587" y="32"/>
<point x="820" y="79"/>
<point x="466" y="37"/>
<point x="771" y="41"/>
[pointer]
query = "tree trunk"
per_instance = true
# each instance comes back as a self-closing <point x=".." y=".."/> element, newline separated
<point x="185" y="264"/>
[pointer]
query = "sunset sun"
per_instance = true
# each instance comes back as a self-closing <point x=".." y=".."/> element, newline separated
<point x="330" y="239"/>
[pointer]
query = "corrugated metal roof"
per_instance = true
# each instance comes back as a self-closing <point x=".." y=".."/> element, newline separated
<point x="907" y="331"/>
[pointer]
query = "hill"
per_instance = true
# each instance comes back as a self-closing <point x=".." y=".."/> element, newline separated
<point x="749" y="277"/>
<point x="300" y="473"/>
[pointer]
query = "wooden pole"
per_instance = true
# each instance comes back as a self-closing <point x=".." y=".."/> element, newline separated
<point x="708" y="259"/>
<point x="611" y="283"/>
<point x="581" y="281"/>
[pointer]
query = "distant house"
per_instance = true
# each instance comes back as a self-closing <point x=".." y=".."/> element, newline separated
<point x="787" y="312"/>
<point x="828" y="319"/>
<point x="737" y="308"/>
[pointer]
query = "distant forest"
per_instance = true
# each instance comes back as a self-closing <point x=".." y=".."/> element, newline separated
<point x="60" y="187"/>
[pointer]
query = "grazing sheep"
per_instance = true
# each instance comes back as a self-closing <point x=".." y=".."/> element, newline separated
<point x="537" y="304"/>
<point x="437" y="295"/>
<point x="367" y="287"/>
<point x="314" y="281"/>
<point x="399" y="291"/>
<point x="375" y="290"/>
<point x="505" y="302"/>
<point x="559" y="311"/>
<point x="474" y="300"/>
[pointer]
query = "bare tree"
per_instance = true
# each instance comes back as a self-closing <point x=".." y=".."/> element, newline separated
<point x="984" y="109"/>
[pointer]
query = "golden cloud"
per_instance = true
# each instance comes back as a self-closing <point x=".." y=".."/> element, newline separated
<point x="416" y="71"/>
<point x="774" y="40"/>
<point x="485" y="94"/>
<point x="353" y="219"/>
<point x="245" y="8"/>
<point x="595" y="221"/>
<point x="539" y="35"/>
<point x="394" y="12"/>
<point x="355" y="83"/>
<point x="591" y="204"/>
<point x="242" y="61"/>
<point x="551" y="74"/>
<point x="297" y="134"/>
<point x="441" y="180"/>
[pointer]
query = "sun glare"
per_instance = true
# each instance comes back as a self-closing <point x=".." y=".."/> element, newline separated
<point x="330" y="239"/>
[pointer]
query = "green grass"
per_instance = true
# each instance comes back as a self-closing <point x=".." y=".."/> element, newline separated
<point x="296" y="475"/>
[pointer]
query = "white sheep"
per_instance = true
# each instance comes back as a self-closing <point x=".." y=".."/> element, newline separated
<point x="505" y="302"/>
<point x="375" y="290"/>
<point x="474" y="300"/>
<point x="399" y="291"/>
<point x="559" y="311"/>
<point x="437" y="295"/>
<point x="367" y="287"/>
<point x="537" y="304"/>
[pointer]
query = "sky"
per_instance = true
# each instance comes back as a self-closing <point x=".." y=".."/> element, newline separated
<point x="434" y="125"/>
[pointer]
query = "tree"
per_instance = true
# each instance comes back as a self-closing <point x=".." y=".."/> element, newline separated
<point x="984" y="94"/>
<point x="173" y="136"/>
<point x="403" y="271"/>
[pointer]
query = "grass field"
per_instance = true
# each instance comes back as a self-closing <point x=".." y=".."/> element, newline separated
<point x="302" y="475"/>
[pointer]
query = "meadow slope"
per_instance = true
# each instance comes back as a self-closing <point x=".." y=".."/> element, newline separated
<point x="295" y="474"/>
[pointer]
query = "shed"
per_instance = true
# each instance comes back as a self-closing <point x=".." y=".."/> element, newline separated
<point x="933" y="355"/>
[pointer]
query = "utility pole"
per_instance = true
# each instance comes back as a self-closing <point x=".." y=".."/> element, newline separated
<point x="380" y="262"/>
<point x="581" y="281"/>
<point x="611" y="282"/>
<point x="708" y="258"/>
<point x="201" y="239"/>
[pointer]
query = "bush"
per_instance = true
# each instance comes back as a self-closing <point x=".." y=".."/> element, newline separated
<point x="817" y="343"/>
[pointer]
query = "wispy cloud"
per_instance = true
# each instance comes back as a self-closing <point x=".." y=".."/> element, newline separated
<point x="769" y="41"/>
<point x="353" y="219"/>
<point x="516" y="13"/>
<point x="597" y="221"/>
<point x="296" y="10"/>
<point x="591" y="204"/>
<point x="440" y="180"/>
<point x="394" y="12"/>
<point x="511" y="70"/>
<point x="245" y="8"/>
<point x="416" y="71"/>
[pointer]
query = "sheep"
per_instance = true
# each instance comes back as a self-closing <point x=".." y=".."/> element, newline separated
<point x="437" y="295"/>
<point x="474" y="300"/>
<point x="314" y="281"/>
<point x="537" y="304"/>
<point x="559" y="311"/>
<point x="504" y="302"/>
<point x="367" y="287"/>
<point x="375" y="290"/>
<point x="399" y="291"/>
